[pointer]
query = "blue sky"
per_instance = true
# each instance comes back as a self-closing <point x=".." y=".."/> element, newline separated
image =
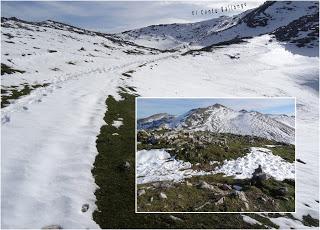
<point x="150" y="106"/>
<point x="116" y="16"/>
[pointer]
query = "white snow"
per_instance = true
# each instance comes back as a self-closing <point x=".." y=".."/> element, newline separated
<point x="47" y="151"/>
<point x="158" y="165"/>
<point x="217" y="118"/>
<point x="250" y="220"/>
<point x="272" y="165"/>
<point x="216" y="30"/>
<point x="117" y="124"/>
<point x="48" y="138"/>
<point x="264" y="69"/>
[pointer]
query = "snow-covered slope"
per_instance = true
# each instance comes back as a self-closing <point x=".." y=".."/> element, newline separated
<point x="218" y="118"/>
<point x="156" y="120"/>
<point x="264" y="68"/>
<point x="48" y="137"/>
<point x="262" y="20"/>
<point x="283" y="118"/>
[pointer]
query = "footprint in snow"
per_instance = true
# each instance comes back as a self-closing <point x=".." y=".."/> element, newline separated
<point x="5" y="119"/>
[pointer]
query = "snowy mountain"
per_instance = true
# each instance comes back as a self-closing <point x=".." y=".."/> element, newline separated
<point x="221" y="119"/>
<point x="156" y="120"/>
<point x="265" y="19"/>
<point x="283" y="118"/>
<point x="63" y="75"/>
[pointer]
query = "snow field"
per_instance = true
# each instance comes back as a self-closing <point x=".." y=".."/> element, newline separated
<point x="158" y="165"/>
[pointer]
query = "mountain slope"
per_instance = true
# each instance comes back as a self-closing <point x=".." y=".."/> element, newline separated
<point x="262" y="20"/>
<point x="48" y="134"/>
<point x="218" y="118"/>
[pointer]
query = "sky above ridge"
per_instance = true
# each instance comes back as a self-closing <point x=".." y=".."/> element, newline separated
<point x="149" y="106"/>
<point x="118" y="16"/>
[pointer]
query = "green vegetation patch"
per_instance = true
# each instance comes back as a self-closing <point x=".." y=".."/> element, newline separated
<point x="204" y="146"/>
<point x="116" y="179"/>
<point x="9" y="70"/>
<point x="14" y="92"/>
<point x="308" y="220"/>
<point x="189" y="196"/>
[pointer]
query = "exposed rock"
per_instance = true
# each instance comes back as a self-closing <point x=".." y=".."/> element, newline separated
<point x="200" y="207"/>
<point x="127" y="165"/>
<point x="124" y="166"/>
<point x="226" y="187"/>
<point x="163" y="185"/>
<point x="237" y="187"/>
<point x="205" y="185"/>
<point x="262" y="199"/>
<point x="53" y="226"/>
<point x="281" y="191"/>
<point x="242" y="196"/>
<point x="175" y="218"/>
<point x="141" y="192"/>
<point x="163" y="195"/>
<point x="85" y="207"/>
<point x="188" y="183"/>
<point x="220" y="201"/>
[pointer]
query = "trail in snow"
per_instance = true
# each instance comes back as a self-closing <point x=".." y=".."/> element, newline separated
<point x="47" y="156"/>
<point x="49" y="148"/>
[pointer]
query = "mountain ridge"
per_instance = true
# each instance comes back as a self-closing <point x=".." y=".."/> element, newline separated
<point x="221" y="119"/>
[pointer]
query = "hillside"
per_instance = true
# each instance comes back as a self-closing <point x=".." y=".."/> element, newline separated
<point x="269" y="17"/>
<point x="220" y="119"/>
<point x="67" y="133"/>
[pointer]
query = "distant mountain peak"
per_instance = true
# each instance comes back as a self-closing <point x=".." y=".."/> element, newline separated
<point x="217" y="105"/>
<point x="222" y="119"/>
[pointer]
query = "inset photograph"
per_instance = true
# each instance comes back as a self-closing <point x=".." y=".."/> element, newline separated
<point x="215" y="154"/>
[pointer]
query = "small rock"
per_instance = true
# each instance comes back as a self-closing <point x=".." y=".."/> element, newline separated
<point x="246" y="205"/>
<point x="282" y="191"/>
<point x="162" y="195"/>
<point x="151" y="199"/>
<point x="127" y="165"/>
<point x="226" y="187"/>
<point x="220" y="201"/>
<point x="262" y="199"/>
<point x="242" y="196"/>
<point x="53" y="226"/>
<point x="85" y="207"/>
<point x="205" y="185"/>
<point x="25" y="108"/>
<point x="175" y="218"/>
<point x="237" y="187"/>
<point x="141" y="192"/>
<point x="188" y="183"/>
